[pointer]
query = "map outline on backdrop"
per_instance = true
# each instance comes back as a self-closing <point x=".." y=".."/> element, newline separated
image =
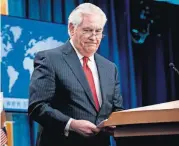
<point x="21" y="39"/>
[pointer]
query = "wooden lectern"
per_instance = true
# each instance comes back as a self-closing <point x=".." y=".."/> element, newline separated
<point x="149" y="125"/>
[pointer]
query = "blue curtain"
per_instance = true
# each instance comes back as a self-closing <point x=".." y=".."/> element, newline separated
<point x="155" y="46"/>
<point x="141" y="38"/>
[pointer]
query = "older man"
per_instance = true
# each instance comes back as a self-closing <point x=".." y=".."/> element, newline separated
<point x="72" y="87"/>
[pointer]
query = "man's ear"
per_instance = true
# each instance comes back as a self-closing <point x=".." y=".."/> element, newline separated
<point x="71" y="29"/>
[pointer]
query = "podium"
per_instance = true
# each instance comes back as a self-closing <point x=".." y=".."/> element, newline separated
<point x="149" y="125"/>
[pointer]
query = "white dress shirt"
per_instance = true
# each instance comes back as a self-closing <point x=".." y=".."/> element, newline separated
<point x="92" y="65"/>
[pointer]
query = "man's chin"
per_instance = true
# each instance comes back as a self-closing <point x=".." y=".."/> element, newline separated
<point x="91" y="49"/>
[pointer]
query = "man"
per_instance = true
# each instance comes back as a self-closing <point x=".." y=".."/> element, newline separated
<point x="72" y="87"/>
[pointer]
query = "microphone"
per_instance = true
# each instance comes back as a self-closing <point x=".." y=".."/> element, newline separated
<point x="174" y="68"/>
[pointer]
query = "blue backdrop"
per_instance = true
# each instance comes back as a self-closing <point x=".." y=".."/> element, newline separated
<point x="21" y="40"/>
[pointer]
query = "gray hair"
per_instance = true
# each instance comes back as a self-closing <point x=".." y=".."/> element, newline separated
<point x="75" y="17"/>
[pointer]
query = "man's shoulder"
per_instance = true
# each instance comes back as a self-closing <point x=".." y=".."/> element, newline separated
<point x="54" y="51"/>
<point x="104" y="60"/>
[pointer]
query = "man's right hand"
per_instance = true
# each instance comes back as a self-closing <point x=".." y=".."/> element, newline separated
<point x="84" y="128"/>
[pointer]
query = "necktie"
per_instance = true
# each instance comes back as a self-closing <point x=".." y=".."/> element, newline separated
<point x="90" y="79"/>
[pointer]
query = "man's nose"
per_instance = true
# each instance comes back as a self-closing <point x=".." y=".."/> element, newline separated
<point x="93" y="32"/>
<point x="93" y="36"/>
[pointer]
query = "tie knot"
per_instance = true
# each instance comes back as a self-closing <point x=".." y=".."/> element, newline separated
<point x="85" y="60"/>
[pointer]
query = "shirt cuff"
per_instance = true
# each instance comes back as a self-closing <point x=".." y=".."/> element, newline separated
<point x="67" y="127"/>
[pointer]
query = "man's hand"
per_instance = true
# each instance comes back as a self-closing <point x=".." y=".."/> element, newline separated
<point x="108" y="130"/>
<point x="84" y="128"/>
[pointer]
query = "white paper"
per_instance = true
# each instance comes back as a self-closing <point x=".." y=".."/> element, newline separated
<point x="101" y="124"/>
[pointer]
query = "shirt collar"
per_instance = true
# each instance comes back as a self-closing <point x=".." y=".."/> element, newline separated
<point x="91" y="58"/>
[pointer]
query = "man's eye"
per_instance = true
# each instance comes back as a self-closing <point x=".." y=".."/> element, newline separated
<point x="86" y="30"/>
<point x="98" y="31"/>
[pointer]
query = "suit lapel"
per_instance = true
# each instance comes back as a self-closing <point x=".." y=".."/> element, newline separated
<point x="102" y="78"/>
<point x="73" y="61"/>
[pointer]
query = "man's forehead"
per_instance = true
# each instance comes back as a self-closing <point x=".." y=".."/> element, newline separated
<point x="92" y="24"/>
<point x="91" y="21"/>
<point x="88" y="26"/>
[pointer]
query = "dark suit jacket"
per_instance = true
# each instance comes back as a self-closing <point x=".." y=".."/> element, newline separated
<point x="59" y="90"/>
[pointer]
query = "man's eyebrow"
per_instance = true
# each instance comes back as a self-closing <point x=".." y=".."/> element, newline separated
<point x="92" y="28"/>
<point x="87" y="28"/>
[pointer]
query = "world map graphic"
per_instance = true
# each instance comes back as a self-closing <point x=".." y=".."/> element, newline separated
<point x="20" y="41"/>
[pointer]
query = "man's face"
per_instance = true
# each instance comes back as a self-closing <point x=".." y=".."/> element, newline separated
<point x="87" y="36"/>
